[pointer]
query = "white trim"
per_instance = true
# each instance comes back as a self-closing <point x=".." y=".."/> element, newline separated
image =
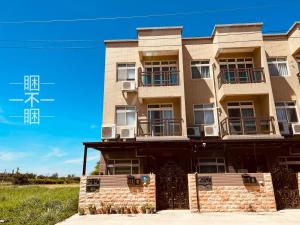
<point x="126" y="125"/>
<point x="126" y="68"/>
<point x="241" y="106"/>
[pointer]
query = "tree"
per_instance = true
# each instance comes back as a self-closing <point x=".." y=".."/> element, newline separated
<point x="96" y="171"/>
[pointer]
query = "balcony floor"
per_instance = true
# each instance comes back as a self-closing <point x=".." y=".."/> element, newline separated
<point x="252" y="136"/>
<point x="162" y="138"/>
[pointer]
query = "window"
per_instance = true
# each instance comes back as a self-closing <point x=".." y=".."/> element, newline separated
<point x="286" y="113"/>
<point x="210" y="165"/>
<point x="204" y="114"/>
<point x="278" y="66"/>
<point x="125" y="71"/>
<point x="200" y="69"/>
<point x="125" y="115"/>
<point x="160" y="73"/>
<point x="123" y="166"/>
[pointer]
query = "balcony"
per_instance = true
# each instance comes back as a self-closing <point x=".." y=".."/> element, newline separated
<point x="159" y="127"/>
<point x="247" y="126"/>
<point x="159" y="78"/>
<point x="241" y="75"/>
<point x="242" y="81"/>
<point x="159" y="84"/>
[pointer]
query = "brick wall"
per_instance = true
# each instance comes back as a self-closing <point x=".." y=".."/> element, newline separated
<point x="229" y="194"/>
<point x="115" y="191"/>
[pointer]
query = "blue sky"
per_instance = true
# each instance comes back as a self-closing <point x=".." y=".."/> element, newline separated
<point x="56" y="144"/>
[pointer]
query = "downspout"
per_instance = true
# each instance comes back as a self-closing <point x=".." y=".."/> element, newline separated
<point x="216" y="101"/>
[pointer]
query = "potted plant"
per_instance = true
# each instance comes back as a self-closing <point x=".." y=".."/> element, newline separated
<point x="120" y="209"/>
<point x="147" y="208"/>
<point x="142" y="209"/>
<point x="81" y="211"/>
<point x="92" y="209"/>
<point x="133" y="209"/>
<point x="126" y="210"/>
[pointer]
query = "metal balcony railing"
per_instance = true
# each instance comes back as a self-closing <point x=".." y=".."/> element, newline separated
<point x="159" y="78"/>
<point x="159" y="127"/>
<point x="241" y="75"/>
<point x="247" y="125"/>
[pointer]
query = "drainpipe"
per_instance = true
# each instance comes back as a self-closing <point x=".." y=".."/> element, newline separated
<point x="216" y="101"/>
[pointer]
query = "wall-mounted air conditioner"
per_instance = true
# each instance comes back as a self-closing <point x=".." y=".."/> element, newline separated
<point x="127" y="132"/>
<point x="211" y="131"/>
<point x="296" y="128"/>
<point x="128" y="86"/>
<point x="108" y="131"/>
<point x="193" y="132"/>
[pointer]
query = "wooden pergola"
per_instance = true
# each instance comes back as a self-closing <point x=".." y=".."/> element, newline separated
<point x="193" y="146"/>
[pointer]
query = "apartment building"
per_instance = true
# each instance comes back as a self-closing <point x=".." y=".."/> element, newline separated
<point x="224" y="104"/>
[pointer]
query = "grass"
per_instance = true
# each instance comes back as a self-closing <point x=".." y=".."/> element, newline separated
<point x="37" y="205"/>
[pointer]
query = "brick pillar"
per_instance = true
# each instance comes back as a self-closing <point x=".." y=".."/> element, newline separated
<point x="269" y="203"/>
<point x="193" y="200"/>
<point x="82" y="193"/>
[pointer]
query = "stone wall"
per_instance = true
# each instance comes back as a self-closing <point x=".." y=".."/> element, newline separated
<point x="229" y="194"/>
<point x="114" y="190"/>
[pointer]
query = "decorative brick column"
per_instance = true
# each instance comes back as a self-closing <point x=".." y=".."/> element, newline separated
<point x="193" y="200"/>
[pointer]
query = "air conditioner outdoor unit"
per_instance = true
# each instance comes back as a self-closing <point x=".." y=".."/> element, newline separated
<point x="296" y="128"/>
<point x="128" y="86"/>
<point x="127" y="132"/>
<point x="211" y="131"/>
<point x="193" y="132"/>
<point x="108" y="131"/>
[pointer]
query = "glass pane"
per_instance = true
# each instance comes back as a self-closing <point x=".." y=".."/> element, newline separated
<point x="130" y="118"/>
<point x="123" y="170"/>
<point x="281" y="114"/>
<point x="208" y="169"/>
<point x="209" y="117"/>
<point x="205" y="71"/>
<point x="131" y="74"/>
<point x="292" y="115"/>
<point x="196" y="74"/>
<point x="199" y="117"/>
<point x="135" y="170"/>
<point x="247" y="113"/>
<point x="282" y="68"/>
<point x="221" y="169"/>
<point x="234" y="112"/>
<point x="121" y="119"/>
<point x="122" y="74"/>
<point x="273" y="70"/>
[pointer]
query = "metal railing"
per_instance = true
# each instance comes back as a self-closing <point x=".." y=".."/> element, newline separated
<point x="159" y="78"/>
<point x="159" y="127"/>
<point x="247" y="125"/>
<point x="241" y="75"/>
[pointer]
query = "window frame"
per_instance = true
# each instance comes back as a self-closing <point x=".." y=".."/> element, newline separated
<point x="132" y="67"/>
<point x="209" y="67"/>
<point x="276" y="63"/>
<point x="114" y="165"/>
<point x="213" y="109"/>
<point x="236" y="62"/>
<point x="216" y="163"/>
<point x="285" y="107"/>
<point x="241" y="106"/>
<point x="126" y="110"/>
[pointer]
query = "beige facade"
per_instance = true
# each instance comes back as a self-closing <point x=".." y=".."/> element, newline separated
<point x="229" y="80"/>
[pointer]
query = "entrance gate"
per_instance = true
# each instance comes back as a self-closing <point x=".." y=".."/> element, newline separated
<point x="285" y="186"/>
<point x="172" y="187"/>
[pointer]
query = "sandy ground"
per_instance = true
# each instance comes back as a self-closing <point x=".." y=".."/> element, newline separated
<point x="184" y="217"/>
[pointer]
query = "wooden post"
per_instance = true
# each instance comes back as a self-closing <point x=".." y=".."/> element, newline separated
<point x="84" y="161"/>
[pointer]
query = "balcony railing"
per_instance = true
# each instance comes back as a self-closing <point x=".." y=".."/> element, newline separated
<point x="159" y="127"/>
<point x="241" y="75"/>
<point x="159" y="78"/>
<point x="247" y="125"/>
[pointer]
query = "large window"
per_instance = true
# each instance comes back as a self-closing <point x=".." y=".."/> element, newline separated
<point x="211" y="165"/>
<point x="286" y="113"/>
<point x="200" y="69"/>
<point x="123" y="166"/>
<point x="125" y="71"/>
<point x="125" y="116"/>
<point x="161" y="73"/>
<point x="278" y="66"/>
<point x="204" y="114"/>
